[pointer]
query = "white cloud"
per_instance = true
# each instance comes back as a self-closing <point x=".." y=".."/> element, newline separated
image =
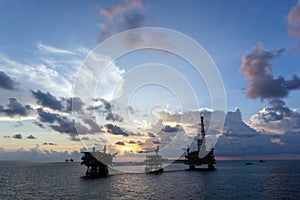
<point x="37" y="76"/>
<point x="53" y="50"/>
<point x="55" y="70"/>
<point x="276" y="119"/>
<point x="98" y="77"/>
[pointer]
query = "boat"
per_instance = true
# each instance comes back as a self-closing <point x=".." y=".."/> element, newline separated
<point x="97" y="162"/>
<point x="202" y="156"/>
<point x="154" y="163"/>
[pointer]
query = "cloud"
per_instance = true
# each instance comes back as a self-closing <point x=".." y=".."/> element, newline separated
<point x="239" y="139"/>
<point x="53" y="50"/>
<point x="276" y="118"/>
<point x="114" y="117"/>
<point x="39" y="124"/>
<point x="93" y="127"/>
<point x="57" y="122"/>
<point x="257" y="70"/>
<point x="49" y="143"/>
<point x="156" y="142"/>
<point x="14" y="108"/>
<point x="47" y="116"/>
<point x="101" y="71"/>
<point x="31" y="137"/>
<point x="85" y="138"/>
<point x="234" y="126"/>
<point x="121" y="17"/>
<point x="46" y="74"/>
<point x="6" y="82"/>
<point x="106" y="108"/>
<point x="38" y="154"/>
<point x="170" y="129"/>
<point x="294" y="25"/>
<point x="47" y="100"/>
<point x="18" y="136"/>
<point x="74" y="104"/>
<point x="151" y="134"/>
<point x="120" y="143"/>
<point x="114" y="129"/>
<point x="64" y="124"/>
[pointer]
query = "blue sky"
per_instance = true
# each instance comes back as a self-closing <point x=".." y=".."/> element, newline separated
<point x="254" y="44"/>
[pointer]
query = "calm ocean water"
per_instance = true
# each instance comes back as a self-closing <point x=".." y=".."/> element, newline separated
<point x="231" y="180"/>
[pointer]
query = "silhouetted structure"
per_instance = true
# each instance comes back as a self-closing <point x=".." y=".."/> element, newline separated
<point x="97" y="162"/>
<point x="201" y="156"/>
<point x="154" y="163"/>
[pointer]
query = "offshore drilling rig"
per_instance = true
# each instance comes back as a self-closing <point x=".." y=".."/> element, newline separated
<point x="201" y="156"/>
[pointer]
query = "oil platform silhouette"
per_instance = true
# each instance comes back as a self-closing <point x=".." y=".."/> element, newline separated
<point x="201" y="156"/>
<point x="97" y="162"/>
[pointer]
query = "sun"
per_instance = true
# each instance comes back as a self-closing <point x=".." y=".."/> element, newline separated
<point x="130" y="149"/>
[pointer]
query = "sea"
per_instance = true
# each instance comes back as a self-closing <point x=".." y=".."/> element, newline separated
<point x="230" y="180"/>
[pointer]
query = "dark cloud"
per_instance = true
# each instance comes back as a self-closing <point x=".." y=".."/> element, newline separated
<point x="121" y="17"/>
<point x="131" y="110"/>
<point x="57" y="122"/>
<point x="114" y="117"/>
<point x="14" y="108"/>
<point x="49" y="143"/>
<point x="74" y="104"/>
<point x="85" y="138"/>
<point x="106" y="108"/>
<point x="18" y="136"/>
<point x="107" y="104"/>
<point x="47" y="116"/>
<point x="257" y="69"/>
<point x="131" y="142"/>
<point x="31" y="137"/>
<point x="120" y="143"/>
<point x="156" y="142"/>
<point x="170" y="129"/>
<point x="39" y="124"/>
<point x="75" y="138"/>
<point x="113" y="129"/>
<point x="6" y="82"/>
<point x="93" y="127"/>
<point x="92" y="108"/>
<point x="151" y="134"/>
<point x="47" y="100"/>
<point x="64" y="124"/>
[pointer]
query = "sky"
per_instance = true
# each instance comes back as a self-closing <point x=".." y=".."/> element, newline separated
<point x="71" y="79"/>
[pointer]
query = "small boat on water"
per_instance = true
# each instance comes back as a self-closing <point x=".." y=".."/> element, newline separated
<point x="154" y="163"/>
<point x="249" y="163"/>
